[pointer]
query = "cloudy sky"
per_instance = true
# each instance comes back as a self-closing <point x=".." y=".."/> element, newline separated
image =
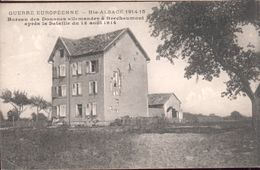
<point x="25" y="51"/>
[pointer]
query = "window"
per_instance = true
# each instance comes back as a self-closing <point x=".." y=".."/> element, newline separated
<point x="116" y="83"/>
<point x="61" y="110"/>
<point x="93" y="87"/>
<point x="62" y="70"/>
<point x="91" y="109"/>
<point x="59" y="71"/>
<point x="92" y="66"/>
<point x="63" y="90"/>
<point x="61" y="53"/>
<point x="76" y="68"/>
<point x="60" y="91"/>
<point x="76" y="89"/>
<point x="79" y="110"/>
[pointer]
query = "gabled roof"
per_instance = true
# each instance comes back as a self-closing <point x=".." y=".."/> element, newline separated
<point x="97" y="43"/>
<point x="160" y="98"/>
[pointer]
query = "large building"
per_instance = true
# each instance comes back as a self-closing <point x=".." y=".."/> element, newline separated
<point x="102" y="77"/>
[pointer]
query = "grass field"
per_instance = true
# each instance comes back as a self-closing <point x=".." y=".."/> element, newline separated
<point x="228" y="144"/>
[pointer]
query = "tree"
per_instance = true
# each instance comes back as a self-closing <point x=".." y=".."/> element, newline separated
<point x="18" y="99"/>
<point x="40" y="104"/>
<point x="205" y="34"/>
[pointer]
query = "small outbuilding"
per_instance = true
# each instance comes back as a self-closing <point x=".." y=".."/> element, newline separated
<point x="165" y="105"/>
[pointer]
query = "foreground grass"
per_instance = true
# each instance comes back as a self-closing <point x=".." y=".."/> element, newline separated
<point x="222" y="145"/>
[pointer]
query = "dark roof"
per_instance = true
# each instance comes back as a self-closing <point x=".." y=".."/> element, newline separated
<point x="90" y="44"/>
<point x="159" y="98"/>
<point x="95" y="44"/>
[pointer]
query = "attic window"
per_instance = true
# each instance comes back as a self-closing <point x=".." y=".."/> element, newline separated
<point x="61" y="53"/>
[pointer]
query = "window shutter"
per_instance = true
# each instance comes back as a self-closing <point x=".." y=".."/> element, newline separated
<point x="58" y="71"/>
<point x="88" y="110"/>
<point x="77" y="110"/>
<point x="63" y="110"/>
<point x="57" y="91"/>
<point x="79" y="88"/>
<point x="62" y="70"/>
<point x="94" y="109"/>
<point x="87" y="67"/>
<point x="95" y="86"/>
<point x="74" y="92"/>
<point x="119" y="80"/>
<point x="63" y="90"/>
<point x="97" y="66"/>
<point x="90" y="87"/>
<point x="74" y="68"/>
<point x="58" y="111"/>
<point x="90" y="67"/>
<point x="79" y="68"/>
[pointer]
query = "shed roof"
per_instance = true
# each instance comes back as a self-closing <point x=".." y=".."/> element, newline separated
<point x="97" y="43"/>
<point x="159" y="98"/>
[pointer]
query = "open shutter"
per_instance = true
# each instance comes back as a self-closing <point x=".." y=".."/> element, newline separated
<point x="63" y="110"/>
<point x="88" y="67"/>
<point x="74" y="92"/>
<point x="77" y="110"/>
<point x="63" y="90"/>
<point x="79" y="88"/>
<point x="74" y="69"/>
<point x="90" y="87"/>
<point x="58" y="110"/>
<point x="88" y="109"/>
<point x="94" y="109"/>
<point x="79" y="68"/>
<point x="95" y="86"/>
<point x="62" y="70"/>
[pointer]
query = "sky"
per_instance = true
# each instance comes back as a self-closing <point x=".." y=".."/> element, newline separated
<point x="25" y="51"/>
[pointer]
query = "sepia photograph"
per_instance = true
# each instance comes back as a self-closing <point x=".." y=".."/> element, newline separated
<point x="130" y="85"/>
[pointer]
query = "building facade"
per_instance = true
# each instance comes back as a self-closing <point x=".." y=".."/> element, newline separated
<point x="165" y="105"/>
<point x="102" y="77"/>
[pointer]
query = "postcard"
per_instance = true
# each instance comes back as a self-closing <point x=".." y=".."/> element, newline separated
<point x="129" y="85"/>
